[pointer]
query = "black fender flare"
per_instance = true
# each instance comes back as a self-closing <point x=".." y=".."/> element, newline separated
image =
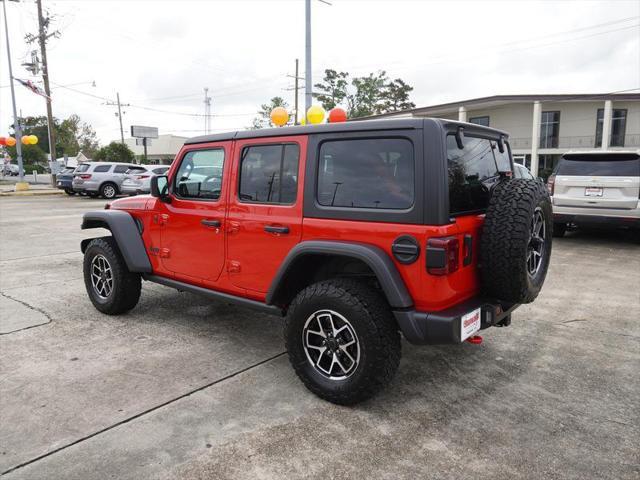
<point x="377" y="259"/>
<point x="125" y="232"/>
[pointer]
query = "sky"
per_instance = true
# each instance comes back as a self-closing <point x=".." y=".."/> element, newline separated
<point x="160" y="55"/>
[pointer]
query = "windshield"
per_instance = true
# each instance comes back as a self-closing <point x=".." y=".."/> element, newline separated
<point x="604" y="165"/>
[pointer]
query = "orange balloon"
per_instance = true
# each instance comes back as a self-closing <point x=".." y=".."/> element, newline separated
<point x="11" y="141"/>
<point x="337" y="114"/>
<point x="279" y="116"/>
<point x="25" y="140"/>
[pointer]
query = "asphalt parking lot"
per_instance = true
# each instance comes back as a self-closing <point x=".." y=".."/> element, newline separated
<point x="185" y="388"/>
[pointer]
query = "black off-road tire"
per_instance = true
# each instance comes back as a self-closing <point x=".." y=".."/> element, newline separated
<point x="108" y="190"/>
<point x="379" y="340"/>
<point x="69" y="191"/>
<point x="507" y="238"/>
<point x="125" y="291"/>
<point x="559" y="229"/>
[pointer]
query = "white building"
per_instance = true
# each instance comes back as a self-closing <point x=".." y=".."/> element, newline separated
<point x="162" y="150"/>
<point x="542" y="127"/>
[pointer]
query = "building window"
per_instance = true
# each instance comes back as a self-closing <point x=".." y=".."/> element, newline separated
<point x="484" y="121"/>
<point x="618" y="127"/>
<point x="549" y="129"/>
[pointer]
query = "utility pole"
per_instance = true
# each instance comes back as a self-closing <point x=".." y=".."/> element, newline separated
<point x="43" y="36"/>
<point x="296" y="78"/>
<point x="119" y="114"/>
<point x="207" y="111"/>
<point x="296" y="99"/>
<point x="308" y="94"/>
<point x="16" y="122"/>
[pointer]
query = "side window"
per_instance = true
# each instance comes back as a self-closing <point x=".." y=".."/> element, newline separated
<point x="472" y="172"/>
<point x="121" y="168"/>
<point x="102" y="168"/>
<point x="269" y="174"/>
<point x="200" y="174"/>
<point x="366" y="173"/>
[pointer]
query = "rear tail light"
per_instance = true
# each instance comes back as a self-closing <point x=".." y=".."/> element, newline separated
<point x="85" y="176"/>
<point x="443" y="255"/>
<point x="140" y="177"/>
<point x="551" y="183"/>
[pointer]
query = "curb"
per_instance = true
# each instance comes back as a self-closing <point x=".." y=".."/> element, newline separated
<point x="28" y="193"/>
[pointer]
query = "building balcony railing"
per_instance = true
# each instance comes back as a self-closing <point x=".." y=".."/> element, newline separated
<point x="587" y="141"/>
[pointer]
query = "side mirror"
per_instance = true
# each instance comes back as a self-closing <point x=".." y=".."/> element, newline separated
<point x="460" y="137"/>
<point x="160" y="187"/>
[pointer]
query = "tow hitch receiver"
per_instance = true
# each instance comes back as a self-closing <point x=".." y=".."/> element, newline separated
<point x="475" y="339"/>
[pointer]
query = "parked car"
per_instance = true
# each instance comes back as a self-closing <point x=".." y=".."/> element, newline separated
<point x="11" y="170"/>
<point x="596" y="188"/>
<point x="64" y="180"/>
<point x="354" y="232"/>
<point x="101" y="178"/>
<point x="520" y="171"/>
<point x="137" y="181"/>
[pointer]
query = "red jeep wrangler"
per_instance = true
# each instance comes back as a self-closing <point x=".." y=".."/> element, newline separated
<point x="354" y="232"/>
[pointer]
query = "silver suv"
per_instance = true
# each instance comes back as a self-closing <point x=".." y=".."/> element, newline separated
<point x="596" y="187"/>
<point x="101" y="178"/>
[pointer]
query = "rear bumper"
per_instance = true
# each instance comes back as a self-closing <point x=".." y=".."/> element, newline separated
<point x="64" y="184"/>
<point x="590" y="215"/>
<point x="133" y="189"/>
<point x="443" y="327"/>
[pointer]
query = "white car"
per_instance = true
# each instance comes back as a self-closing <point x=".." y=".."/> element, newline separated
<point x="596" y="187"/>
<point x="137" y="181"/>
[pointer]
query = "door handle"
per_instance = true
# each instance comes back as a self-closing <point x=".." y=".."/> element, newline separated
<point x="210" y="223"/>
<point x="276" y="229"/>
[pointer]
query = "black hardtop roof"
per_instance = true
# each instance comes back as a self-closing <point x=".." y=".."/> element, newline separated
<point x="351" y="126"/>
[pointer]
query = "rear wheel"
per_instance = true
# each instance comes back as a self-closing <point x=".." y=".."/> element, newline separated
<point x="108" y="191"/>
<point x="69" y="191"/>
<point x="112" y="288"/>
<point x="342" y="340"/>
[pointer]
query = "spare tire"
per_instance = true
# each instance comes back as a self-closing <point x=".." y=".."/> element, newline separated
<point x="515" y="247"/>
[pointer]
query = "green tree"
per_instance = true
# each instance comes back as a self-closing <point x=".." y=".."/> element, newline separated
<point x="364" y="96"/>
<point x="263" y="119"/>
<point x="333" y="89"/>
<point x="72" y="135"/>
<point x="115" y="152"/>
<point x="31" y="155"/>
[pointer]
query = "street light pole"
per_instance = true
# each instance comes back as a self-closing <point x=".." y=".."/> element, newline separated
<point x="308" y="94"/>
<point x="16" y="122"/>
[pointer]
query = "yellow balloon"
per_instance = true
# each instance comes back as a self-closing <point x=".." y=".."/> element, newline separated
<point x="315" y="114"/>
<point x="33" y="139"/>
<point x="279" y="116"/>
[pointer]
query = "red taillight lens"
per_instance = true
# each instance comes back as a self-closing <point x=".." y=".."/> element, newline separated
<point x="443" y="255"/>
<point x="86" y="176"/>
<point x="551" y="183"/>
<point x="140" y="177"/>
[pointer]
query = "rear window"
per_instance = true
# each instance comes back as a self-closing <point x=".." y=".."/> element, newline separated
<point x="82" y="168"/>
<point x="160" y="171"/>
<point x="473" y="170"/>
<point x="133" y="170"/>
<point x="367" y="173"/>
<point x="603" y="165"/>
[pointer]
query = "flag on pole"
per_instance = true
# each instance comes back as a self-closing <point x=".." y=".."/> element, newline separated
<point x="33" y="87"/>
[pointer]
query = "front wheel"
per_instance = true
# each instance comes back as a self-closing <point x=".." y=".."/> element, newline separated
<point x="112" y="288"/>
<point x="342" y="340"/>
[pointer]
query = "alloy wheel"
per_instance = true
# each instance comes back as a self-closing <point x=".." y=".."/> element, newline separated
<point x="101" y="276"/>
<point x="535" y="249"/>
<point x="331" y="344"/>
